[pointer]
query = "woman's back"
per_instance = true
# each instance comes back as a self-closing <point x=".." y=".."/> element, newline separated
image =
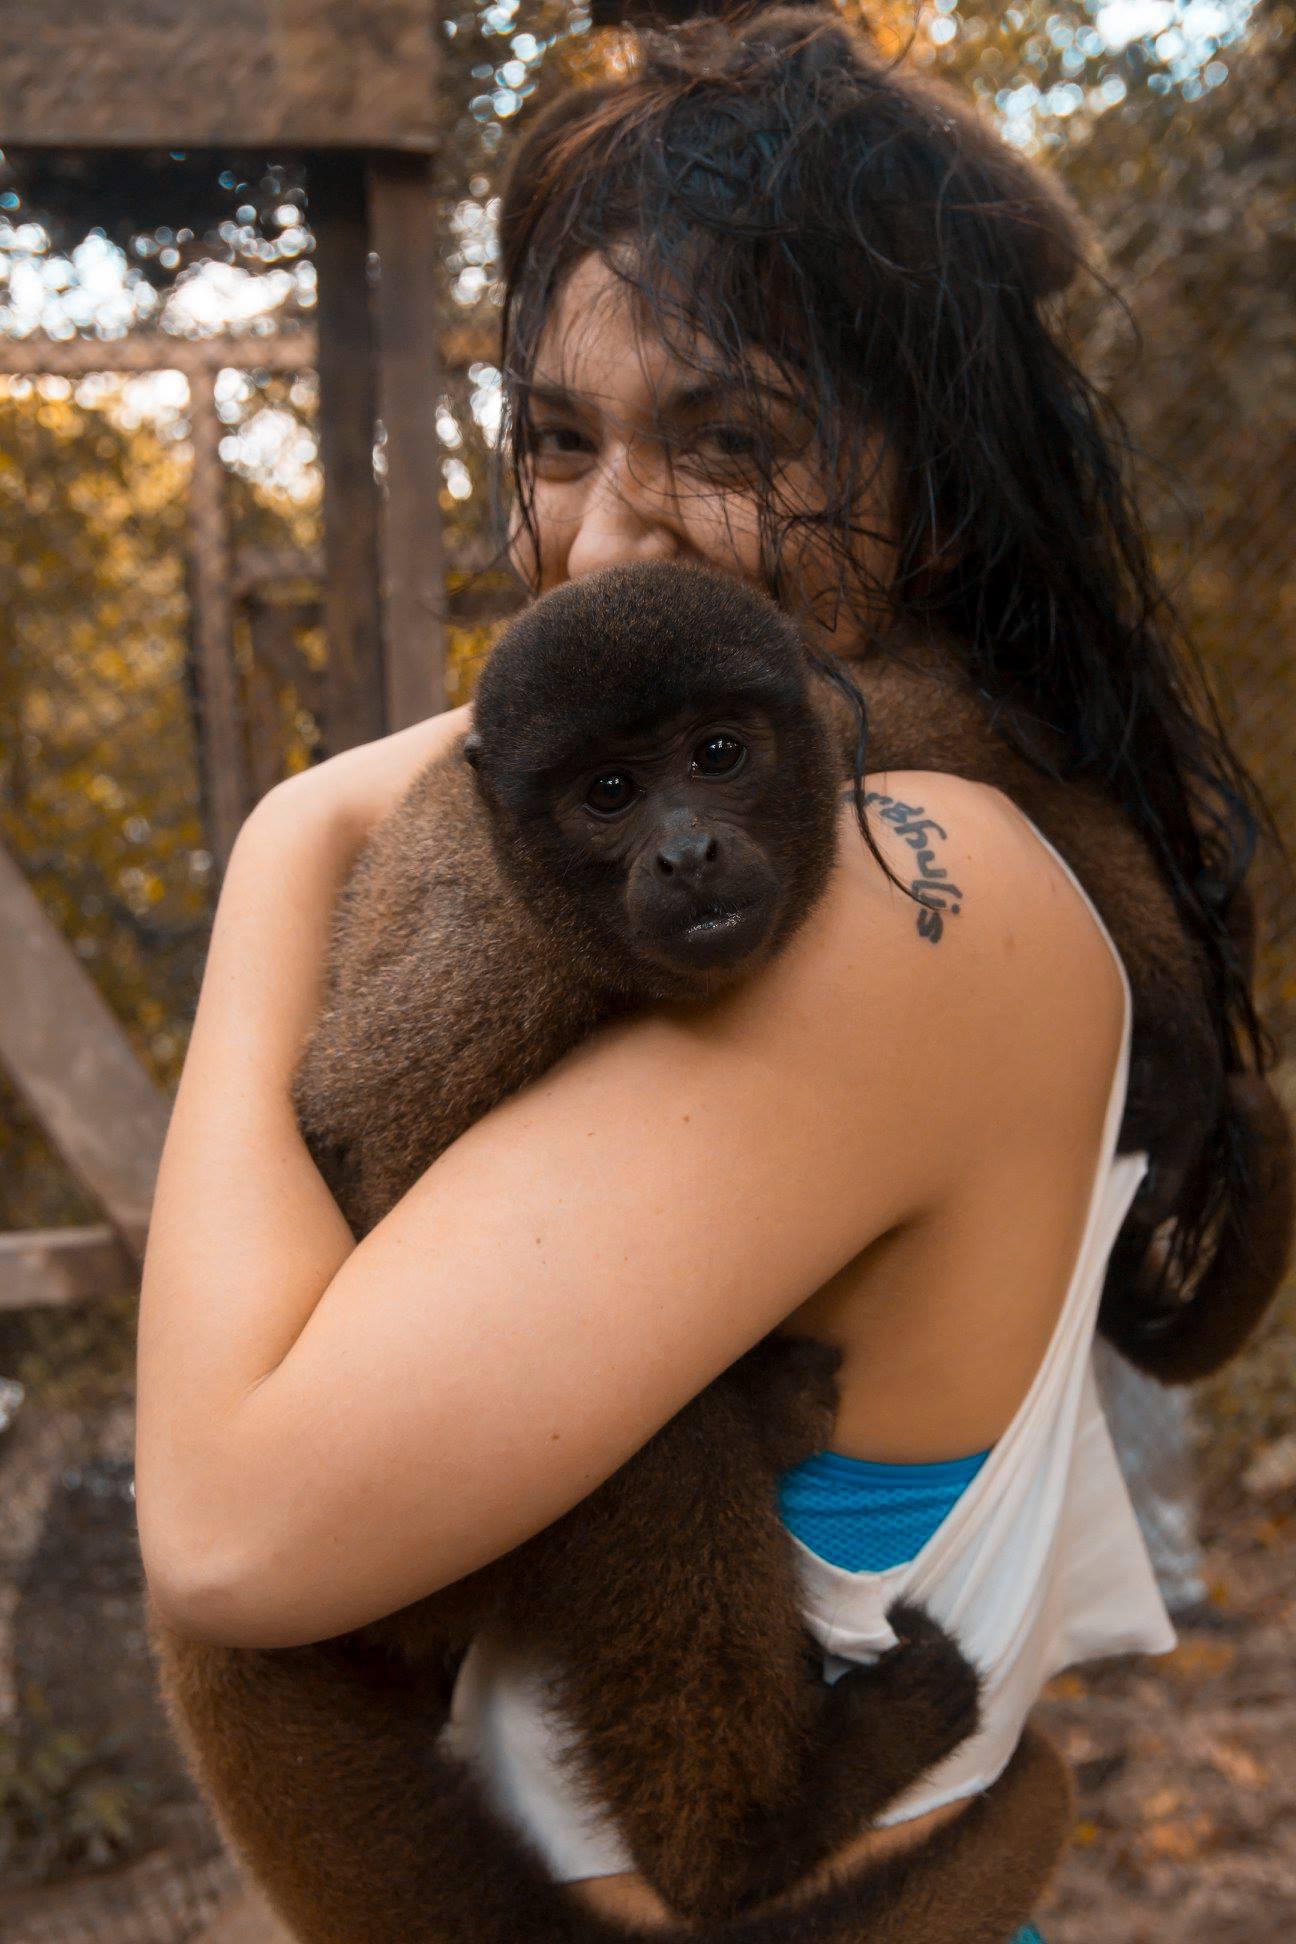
<point x="944" y="1320"/>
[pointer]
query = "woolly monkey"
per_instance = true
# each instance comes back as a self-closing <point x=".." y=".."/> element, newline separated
<point x="645" y="811"/>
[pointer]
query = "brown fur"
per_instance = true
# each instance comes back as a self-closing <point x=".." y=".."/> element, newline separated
<point x="322" y="1761"/>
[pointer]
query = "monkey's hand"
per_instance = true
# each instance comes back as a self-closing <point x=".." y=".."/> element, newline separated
<point x="897" y="1718"/>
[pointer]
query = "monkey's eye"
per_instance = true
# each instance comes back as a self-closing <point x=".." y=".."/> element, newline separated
<point x="611" y="793"/>
<point x="717" y="756"/>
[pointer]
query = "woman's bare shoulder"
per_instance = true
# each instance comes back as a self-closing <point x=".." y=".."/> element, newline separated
<point x="984" y="871"/>
<point x="983" y="960"/>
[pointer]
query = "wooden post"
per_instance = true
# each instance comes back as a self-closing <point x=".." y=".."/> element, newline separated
<point x="223" y="765"/>
<point x="73" y="1064"/>
<point x="403" y="218"/>
<point x="44" y="1267"/>
<point x="355" y="706"/>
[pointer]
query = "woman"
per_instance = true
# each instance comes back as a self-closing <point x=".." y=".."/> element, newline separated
<point x="774" y="309"/>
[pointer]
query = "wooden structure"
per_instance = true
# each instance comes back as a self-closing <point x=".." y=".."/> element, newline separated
<point x="357" y="74"/>
<point x="347" y="88"/>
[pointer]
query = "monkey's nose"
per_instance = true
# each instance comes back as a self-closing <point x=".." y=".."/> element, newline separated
<point x="688" y="855"/>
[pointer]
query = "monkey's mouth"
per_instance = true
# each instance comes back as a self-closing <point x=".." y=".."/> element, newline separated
<point x="715" y="920"/>
<point x="717" y="937"/>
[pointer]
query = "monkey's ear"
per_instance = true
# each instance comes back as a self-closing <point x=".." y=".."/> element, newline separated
<point x="472" y="751"/>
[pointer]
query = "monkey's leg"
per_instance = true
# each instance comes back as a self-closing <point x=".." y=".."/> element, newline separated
<point x="698" y="1715"/>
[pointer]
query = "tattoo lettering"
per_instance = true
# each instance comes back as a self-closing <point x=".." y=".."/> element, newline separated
<point x="933" y="887"/>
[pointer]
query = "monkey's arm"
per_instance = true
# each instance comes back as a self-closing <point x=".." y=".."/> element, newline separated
<point x="1182" y="1341"/>
<point x="699" y="1715"/>
<point x="1246" y="1258"/>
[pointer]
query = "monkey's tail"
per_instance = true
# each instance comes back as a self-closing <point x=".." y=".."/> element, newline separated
<point x="975" y="1881"/>
<point x="1186" y="1339"/>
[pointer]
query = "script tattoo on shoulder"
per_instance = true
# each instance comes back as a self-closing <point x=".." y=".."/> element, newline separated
<point x="933" y="884"/>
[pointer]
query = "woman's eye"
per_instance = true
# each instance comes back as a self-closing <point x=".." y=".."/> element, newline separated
<point x="718" y="756"/>
<point x="728" y="446"/>
<point x="611" y="793"/>
<point x="556" y="443"/>
<point x="735" y="441"/>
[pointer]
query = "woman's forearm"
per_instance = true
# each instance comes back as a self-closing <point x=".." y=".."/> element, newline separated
<point x="245" y="1237"/>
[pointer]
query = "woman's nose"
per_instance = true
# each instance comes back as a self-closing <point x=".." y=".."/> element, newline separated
<point x="628" y="514"/>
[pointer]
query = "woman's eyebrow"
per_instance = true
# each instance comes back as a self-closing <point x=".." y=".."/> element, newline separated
<point x="540" y="392"/>
<point x="715" y="391"/>
<point x="693" y="396"/>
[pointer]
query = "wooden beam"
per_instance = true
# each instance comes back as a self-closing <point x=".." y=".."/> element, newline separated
<point x="403" y="220"/>
<point x="288" y="350"/>
<point x="40" y="1268"/>
<point x="292" y="348"/>
<point x="226" y="792"/>
<point x="266" y="75"/>
<point x="355" y="708"/>
<point x="73" y="1064"/>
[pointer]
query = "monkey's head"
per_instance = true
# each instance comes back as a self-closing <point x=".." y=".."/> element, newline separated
<point x="661" y="783"/>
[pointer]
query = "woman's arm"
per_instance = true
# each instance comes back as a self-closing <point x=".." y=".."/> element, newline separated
<point x="244" y="1236"/>
<point x="328" y="1433"/>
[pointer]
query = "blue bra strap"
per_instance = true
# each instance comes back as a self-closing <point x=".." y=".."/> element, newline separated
<point x="864" y="1516"/>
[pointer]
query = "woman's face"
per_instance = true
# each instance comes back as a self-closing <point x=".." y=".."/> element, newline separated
<point x="636" y="455"/>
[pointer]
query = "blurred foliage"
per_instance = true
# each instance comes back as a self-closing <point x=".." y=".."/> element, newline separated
<point x="98" y="797"/>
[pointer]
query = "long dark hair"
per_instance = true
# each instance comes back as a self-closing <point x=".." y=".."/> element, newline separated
<point x="770" y="182"/>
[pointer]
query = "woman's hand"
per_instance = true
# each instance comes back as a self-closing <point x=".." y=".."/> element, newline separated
<point x="245" y="1237"/>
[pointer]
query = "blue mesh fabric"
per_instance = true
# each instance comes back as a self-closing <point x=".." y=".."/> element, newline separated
<point x="865" y="1517"/>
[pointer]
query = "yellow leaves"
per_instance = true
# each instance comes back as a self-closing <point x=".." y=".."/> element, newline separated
<point x="105" y="791"/>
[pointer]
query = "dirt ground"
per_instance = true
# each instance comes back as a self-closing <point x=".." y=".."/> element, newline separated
<point x="1185" y="1767"/>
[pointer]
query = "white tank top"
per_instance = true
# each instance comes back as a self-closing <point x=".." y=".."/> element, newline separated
<point x="1039" y="1564"/>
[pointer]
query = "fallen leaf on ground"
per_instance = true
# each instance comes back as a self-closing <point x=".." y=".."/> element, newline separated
<point x="1238" y="1765"/>
<point x="1200" y="1658"/>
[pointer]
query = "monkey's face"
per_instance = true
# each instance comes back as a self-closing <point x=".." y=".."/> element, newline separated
<point x="661" y="787"/>
<point x="668" y="835"/>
